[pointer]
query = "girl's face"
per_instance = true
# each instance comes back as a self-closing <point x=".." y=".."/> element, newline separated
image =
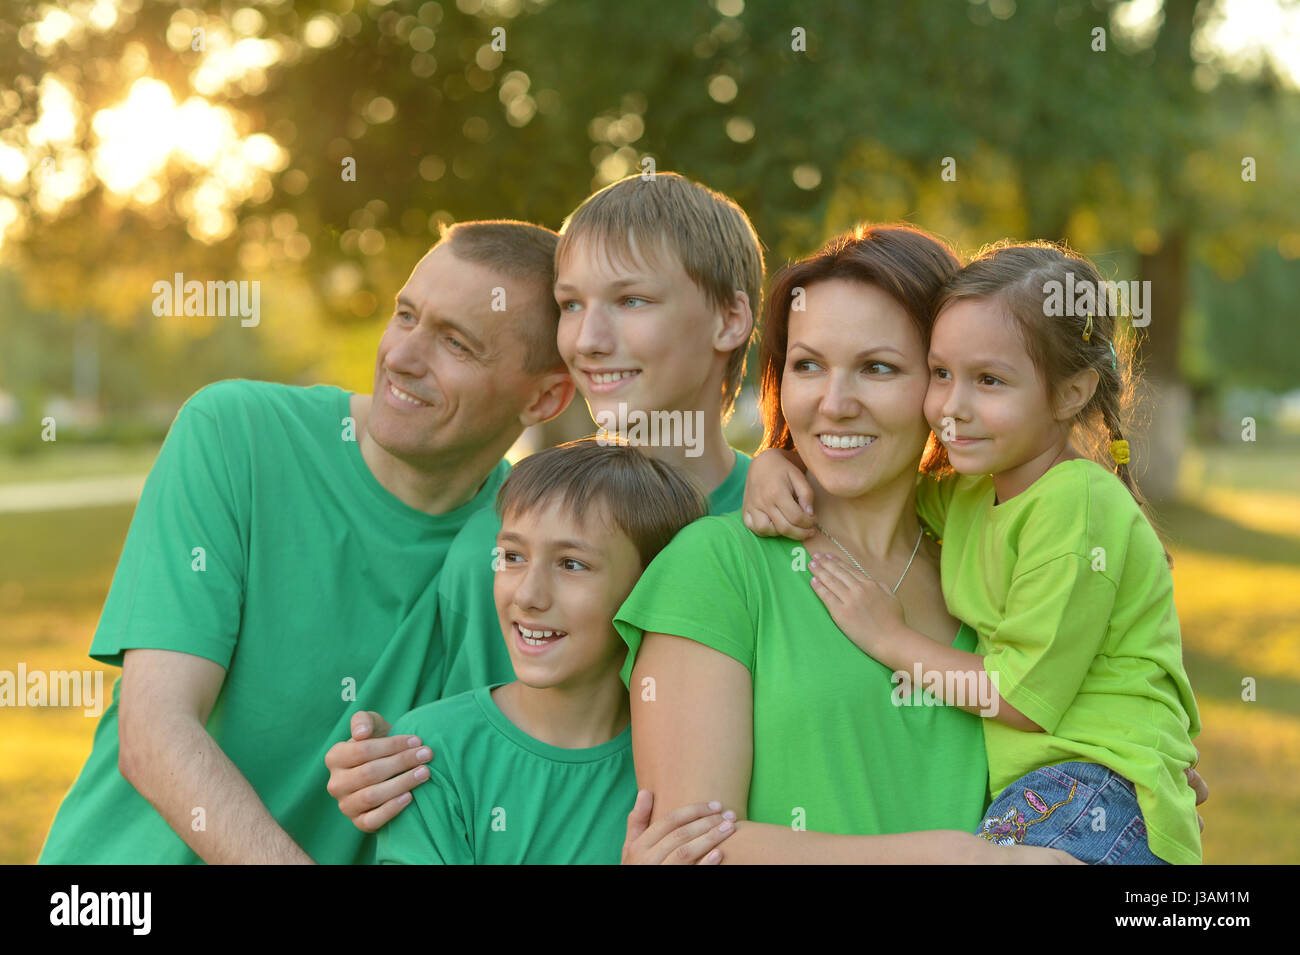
<point x="853" y="388"/>
<point x="987" y="401"/>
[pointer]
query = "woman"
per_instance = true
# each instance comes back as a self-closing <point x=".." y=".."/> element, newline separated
<point x="743" y="689"/>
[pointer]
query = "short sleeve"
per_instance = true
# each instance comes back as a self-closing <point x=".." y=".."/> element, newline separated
<point x="933" y="497"/>
<point x="180" y="581"/>
<point x="698" y="587"/>
<point x="1055" y="624"/>
<point x="467" y="622"/>
<point x="429" y="831"/>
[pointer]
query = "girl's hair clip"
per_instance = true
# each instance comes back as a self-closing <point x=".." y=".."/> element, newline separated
<point x="1119" y="451"/>
<point x="1114" y="359"/>
<point x="1087" y="329"/>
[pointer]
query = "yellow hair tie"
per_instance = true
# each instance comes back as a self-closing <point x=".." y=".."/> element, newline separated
<point x="1087" y="329"/>
<point x="1119" y="451"/>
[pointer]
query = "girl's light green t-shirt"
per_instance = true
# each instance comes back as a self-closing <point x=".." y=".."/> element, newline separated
<point x="832" y="750"/>
<point x="1068" y="588"/>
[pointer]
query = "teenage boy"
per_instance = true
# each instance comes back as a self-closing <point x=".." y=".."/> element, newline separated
<point x="658" y="282"/>
<point x="282" y="536"/>
<point x="539" y="770"/>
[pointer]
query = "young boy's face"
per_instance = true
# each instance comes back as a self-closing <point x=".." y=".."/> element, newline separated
<point x="986" y="400"/>
<point x="565" y="577"/>
<point x="639" y="333"/>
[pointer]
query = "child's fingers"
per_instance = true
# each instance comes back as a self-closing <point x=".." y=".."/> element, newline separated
<point x="690" y="843"/>
<point x="803" y="494"/>
<point x="780" y="522"/>
<point x="759" y="523"/>
<point x="638" y="820"/>
<point x="702" y="849"/>
<point x="792" y="519"/>
<point x="836" y="575"/>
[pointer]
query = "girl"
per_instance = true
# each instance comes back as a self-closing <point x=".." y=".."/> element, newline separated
<point x="1078" y="668"/>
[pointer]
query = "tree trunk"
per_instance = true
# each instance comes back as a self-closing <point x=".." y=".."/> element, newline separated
<point x="1163" y="413"/>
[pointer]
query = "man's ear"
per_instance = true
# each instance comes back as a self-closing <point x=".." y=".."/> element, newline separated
<point x="736" y="325"/>
<point x="1074" y="394"/>
<point x="551" y="395"/>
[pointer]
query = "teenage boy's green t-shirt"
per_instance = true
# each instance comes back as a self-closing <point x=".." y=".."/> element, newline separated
<point x="467" y="614"/>
<point x="263" y="543"/>
<point x="497" y="796"/>
<point x="832" y="750"/>
<point x="1068" y="588"/>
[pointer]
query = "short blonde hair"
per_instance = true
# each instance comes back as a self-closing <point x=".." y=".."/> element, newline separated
<point x="708" y="232"/>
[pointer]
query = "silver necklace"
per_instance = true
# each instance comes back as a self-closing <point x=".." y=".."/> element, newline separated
<point x="863" y="569"/>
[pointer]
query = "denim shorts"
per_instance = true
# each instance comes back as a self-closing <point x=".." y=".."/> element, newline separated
<point x="1084" y="809"/>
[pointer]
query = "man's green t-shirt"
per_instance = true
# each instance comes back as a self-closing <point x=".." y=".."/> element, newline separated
<point x="497" y="796"/>
<point x="467" y="614"/>
<point x="1068" y="588"/>
<point x="832" y="751"/>
<point x="262" y="542"/>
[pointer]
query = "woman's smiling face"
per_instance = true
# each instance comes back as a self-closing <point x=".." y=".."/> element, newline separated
<point x="853" y="388"/>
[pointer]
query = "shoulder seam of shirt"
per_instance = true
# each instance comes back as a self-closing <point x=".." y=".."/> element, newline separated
<point x="1060" y="557"/>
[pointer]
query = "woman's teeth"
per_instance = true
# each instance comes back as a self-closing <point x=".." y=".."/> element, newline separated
<point x="845" y="440"/>
<point x="606" y="378"/>
<point x="536" y="638"/>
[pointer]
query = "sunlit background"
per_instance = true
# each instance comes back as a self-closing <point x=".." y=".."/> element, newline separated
<point x="142" y="138"/>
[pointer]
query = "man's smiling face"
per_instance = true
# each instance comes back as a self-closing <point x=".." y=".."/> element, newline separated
<point x="450" y="376"/>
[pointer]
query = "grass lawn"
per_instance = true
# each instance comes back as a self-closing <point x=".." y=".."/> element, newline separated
<point x="1236" y="546"/>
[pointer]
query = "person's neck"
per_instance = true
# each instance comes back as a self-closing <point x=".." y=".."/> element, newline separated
<point x="434" y="486"/>
<point x="881" y="526"/>
<point x="1007" y="484"/>
<point x="709" y="461"/>
<point x="571" y="717"/>
<point x="704" y="453"/>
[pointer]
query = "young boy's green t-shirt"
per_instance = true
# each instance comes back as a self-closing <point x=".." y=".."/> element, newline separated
<point x="467" y="618"/>
<point x="1068" y="588"/>
<point x="497" y="796"/>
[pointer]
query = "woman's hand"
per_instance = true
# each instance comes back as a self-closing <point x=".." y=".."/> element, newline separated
<point x="372" y="779"/>
<point x="778" y="498"/>
<point x="864" y="610"/>
<point x="686" y="836"/>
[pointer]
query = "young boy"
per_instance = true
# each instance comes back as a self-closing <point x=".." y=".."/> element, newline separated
<point x="659" y="282"/>
<point x="539" y="770"/>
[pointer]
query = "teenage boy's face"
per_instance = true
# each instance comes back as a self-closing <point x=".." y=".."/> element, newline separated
<point x="986" y="401"/>
<point x="853" y="388"/>
<point x="449" y="374"/>
<point x="565" y="577"/>
<point x="638" y="333"/>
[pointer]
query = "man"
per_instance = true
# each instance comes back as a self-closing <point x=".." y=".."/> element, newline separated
<point x="281" y="537"/>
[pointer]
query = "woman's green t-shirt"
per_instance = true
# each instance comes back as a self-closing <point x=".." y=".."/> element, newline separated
<point x="833" y="752"/>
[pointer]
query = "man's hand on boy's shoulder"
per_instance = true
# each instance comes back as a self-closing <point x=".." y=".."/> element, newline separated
<point x="372" y="774"/>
